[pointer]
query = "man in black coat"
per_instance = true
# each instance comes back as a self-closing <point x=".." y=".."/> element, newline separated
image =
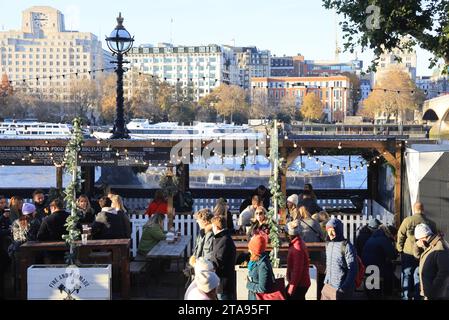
<point x="109" y="223"/>
<point x="52" y="227"/>
<point x="223" y="259"/>
<point x="40" y="202"/>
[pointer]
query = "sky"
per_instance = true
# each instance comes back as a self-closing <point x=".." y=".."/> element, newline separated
<point x="285" y="27"/>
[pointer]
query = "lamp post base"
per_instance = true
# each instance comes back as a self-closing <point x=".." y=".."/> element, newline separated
<point x="120" y="135"/>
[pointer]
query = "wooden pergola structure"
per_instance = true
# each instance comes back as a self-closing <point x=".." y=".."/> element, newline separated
<point x="390" y="148"/>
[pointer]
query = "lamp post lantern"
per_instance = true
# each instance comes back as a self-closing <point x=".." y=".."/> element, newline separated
<point x="120" y="42"/>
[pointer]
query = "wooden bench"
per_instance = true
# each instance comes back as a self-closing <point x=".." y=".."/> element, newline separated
<point x="137" y="269"/>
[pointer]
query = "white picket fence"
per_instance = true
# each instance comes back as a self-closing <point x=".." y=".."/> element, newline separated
<point x="234" y="204"/>
<point x="187" y="225"/>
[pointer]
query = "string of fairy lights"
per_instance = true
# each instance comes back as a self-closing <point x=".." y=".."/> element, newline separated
<point x="93" y="71"/>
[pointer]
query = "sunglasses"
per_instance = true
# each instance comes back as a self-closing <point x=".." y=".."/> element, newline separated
<point x="260" y="213"/>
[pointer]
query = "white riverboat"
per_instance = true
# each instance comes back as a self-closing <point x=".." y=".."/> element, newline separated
<point x="32" y="129"/>
<point x="142" y="129"/>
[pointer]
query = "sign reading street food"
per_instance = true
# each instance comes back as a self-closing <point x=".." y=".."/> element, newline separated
<point x="89" y="156"/>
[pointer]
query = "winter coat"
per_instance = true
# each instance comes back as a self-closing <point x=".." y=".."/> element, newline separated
<point x="256" y="227"/>
<point x="246" y="216"/>
<point x="260" y="277"/>
<point x="223" y="258"/>
<point x="86" y="216"/>
<point x="297" y="265"/>
<point x="42" y="210"/>
<point x="406" y="233"/>
<point x="379" y="250"/>
<point x="362" y="236"/>
<point x="309" y="235"/>
<point x="52" y="227"/>
<point x="20" y="230"/>
<point x="157" y="207"/>
<point x="5" y="226"/>
<point x="341" y="265"/>
<point x="434" y="270"/>
<point x="110" y="224"/>
<point x="204" y="244"/>
<point x="151" y="235"/>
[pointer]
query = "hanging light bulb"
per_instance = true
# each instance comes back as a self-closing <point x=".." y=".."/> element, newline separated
<point x="296" y="146"/>
<point x="314" y="151"/>
<point x="339" y="146"/>
<point x="152" y="142"/>
<point x="302" y="151"/>
<point x="374" y="161"/>
<point x="117" y="154"/>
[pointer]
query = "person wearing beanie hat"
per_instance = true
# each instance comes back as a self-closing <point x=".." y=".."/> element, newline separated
<point x="203" y="264"/>
<point x="433" y="252"/>
<point x="405" y="245"/>
<point x="260" y="272"/>
<point x="206" y="281"/>
<point x="257" y="246"/>
<point x="25" y="228"/>
<point x="28" y="208"/>
<point x="205" y="284"/>
<point x="422" y="231"/>
<point x="364" y="233"/>
<point x="292" y="205"/>
<point x="380" y="251"/>
<point x="341" y="264"/>
<point x="297" y="264"/>
<point x="293" y="200"/>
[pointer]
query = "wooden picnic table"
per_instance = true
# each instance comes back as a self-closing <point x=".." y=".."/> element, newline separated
<point x="171" y="250"/>
<point x="165" y="249"/>
<point x="118" y="247"/>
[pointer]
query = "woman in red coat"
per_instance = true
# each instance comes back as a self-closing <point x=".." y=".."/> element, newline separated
<point x="297" y="264"/>
<point x="158" y="205"/>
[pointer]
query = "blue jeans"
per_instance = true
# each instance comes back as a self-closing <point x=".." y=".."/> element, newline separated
<point x="410" y="277"/>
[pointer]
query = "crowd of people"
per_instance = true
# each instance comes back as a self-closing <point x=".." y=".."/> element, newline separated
<point x="417" y="247"/>
<point x="44" y="220"/>
<point x="423" y="252"/>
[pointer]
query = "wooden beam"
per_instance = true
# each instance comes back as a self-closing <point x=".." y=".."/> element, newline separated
<point x="59" y="172"/>
<point x="391" y="158"/>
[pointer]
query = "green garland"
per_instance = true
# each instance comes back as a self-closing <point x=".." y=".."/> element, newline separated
<point x="277" y="197"/>
<point x="71" y="166"/>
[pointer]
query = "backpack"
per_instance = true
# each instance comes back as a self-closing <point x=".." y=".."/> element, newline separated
<point x="360" y="266"/>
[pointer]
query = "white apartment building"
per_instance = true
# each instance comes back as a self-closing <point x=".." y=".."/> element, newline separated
<point x="252" y="63"/>
<point x="43" y="49"/>
<point x="202" y="68"/>
<point x="390" y="59"/>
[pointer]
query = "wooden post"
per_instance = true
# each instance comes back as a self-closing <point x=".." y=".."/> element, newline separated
<point x="398" y="185"/>
<point x="170" y="209"/>
<point x="283" y="212"/>
<point x="59" y="172"/>
<point x="182" y="172"/>
<point x="88" y="175"/>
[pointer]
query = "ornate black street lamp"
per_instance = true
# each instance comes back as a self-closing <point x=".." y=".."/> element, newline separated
<point x="120" y="42"/>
